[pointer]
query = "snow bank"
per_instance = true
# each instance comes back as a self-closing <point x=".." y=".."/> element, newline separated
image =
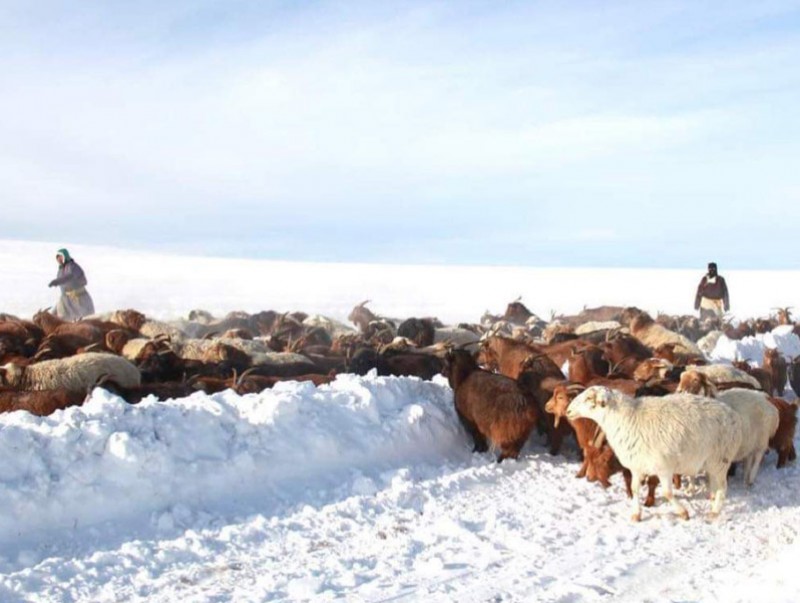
<point x="752" y="348"/>
<point x="107" y="460"/>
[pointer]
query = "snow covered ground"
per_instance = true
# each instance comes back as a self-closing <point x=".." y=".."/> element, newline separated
<point x="364" y="489"/>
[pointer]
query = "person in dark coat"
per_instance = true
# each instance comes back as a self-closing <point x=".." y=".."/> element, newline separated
<point x="75" y="301"/>
<point x="712" y="295"/>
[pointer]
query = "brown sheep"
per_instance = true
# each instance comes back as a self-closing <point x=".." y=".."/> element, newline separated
<point x="775" y="364"/>
<point x="491" y="407"/>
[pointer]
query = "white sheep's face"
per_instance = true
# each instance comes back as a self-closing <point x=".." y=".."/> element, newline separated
<point x="590" y="404"/>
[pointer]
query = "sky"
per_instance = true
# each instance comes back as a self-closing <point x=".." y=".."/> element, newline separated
<point x="614" y="134"/>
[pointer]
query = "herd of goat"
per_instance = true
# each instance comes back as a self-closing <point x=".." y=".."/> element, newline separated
<point x="637" y="393"/>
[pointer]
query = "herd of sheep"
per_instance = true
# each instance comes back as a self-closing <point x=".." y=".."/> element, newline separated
<point x="637" y="393"/>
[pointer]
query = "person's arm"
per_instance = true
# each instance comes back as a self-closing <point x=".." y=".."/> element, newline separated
<point x="65" y="278"/>
<point x="725" y="301"/>
<point x="699" y="293"/>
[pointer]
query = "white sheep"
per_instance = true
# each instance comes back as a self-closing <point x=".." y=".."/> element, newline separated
<point x="760" y="418"/>
<point x="76" y="373"/>
<point x="725" y="374"/>
<point x="663" y="436"/>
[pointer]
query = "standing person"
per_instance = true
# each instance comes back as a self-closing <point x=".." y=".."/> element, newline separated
<point x="712" y="295"/>
<point x="75" y="301"/>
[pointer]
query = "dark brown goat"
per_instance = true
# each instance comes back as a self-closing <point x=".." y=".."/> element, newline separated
<point x="586" y="364"/>
<point x="491" y="407"/>
<point x="775" y="364"/>
<point x="783" y="440"/>
<point x="517" y="313"/>
<point x="763" y="377"/>
<point x="794" y="375"/>
<point x="624" y="353"/>
<point x="505" y="355"/>
<point x="361" y="316"/>
<point x="538" y="377"/>
<point x="253" y="384"/>
<point x="392" y="362"/>
<point x="419" y="330"/>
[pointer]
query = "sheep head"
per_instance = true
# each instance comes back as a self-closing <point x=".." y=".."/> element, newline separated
<point x="592" y="403"/>
<point x="694" y="382"/>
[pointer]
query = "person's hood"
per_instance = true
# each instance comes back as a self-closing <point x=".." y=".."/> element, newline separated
<point x="65" y="253"/>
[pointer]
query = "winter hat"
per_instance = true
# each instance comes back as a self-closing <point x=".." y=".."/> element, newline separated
<point x="65" y="253"/>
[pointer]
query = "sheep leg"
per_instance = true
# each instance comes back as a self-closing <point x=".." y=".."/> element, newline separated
<point x="666" y="486"/>
<point x="636" y="508"/>
<point x="754" y="467"/>
<point x="718" y="483"/>
<point x="652" y="482"/>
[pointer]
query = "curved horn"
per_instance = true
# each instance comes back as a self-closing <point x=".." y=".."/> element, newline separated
<point x="238" y="381"/>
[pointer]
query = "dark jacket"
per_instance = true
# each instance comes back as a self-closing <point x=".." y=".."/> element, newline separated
<point x="715" y="290"/>
<point x="70" y="277"/>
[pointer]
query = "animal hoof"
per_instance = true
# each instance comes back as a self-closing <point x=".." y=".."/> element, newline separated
<point x="636" y="517"/>
<point x="684" y="515"/>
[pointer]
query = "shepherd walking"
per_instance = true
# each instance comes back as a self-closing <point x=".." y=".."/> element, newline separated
<point x="75" y="301"/>
<point x="712" y="295"/>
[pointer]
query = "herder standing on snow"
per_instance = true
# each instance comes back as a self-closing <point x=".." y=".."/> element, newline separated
<point x="712" y="295"/>
<point x="75" y="301"/>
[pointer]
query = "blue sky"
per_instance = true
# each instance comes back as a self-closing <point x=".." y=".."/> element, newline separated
<point x="659" y="134"/>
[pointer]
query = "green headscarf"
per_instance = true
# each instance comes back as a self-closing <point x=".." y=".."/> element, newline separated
<point x="65" y="253"/>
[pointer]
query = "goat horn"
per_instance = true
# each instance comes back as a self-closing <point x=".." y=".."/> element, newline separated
<point x="238" y="382"/>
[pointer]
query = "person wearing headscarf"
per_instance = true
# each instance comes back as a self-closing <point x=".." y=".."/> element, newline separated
<point x="712" y="295"/>
<point x="75" y="301"/>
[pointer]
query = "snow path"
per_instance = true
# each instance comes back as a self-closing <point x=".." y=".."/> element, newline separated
<point x="474" y="531"/>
